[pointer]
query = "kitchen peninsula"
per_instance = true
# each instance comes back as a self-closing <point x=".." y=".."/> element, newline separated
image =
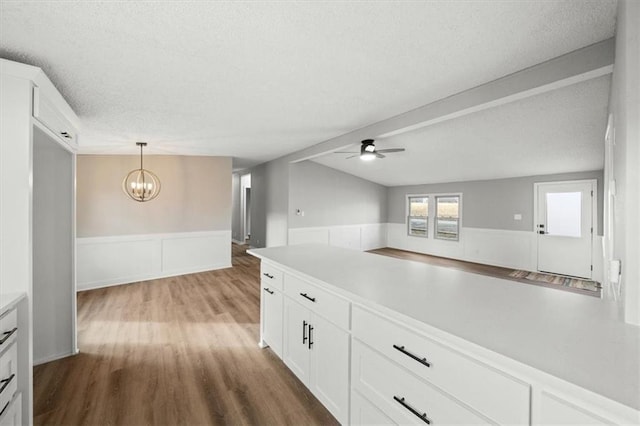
<point x="429" y="344"/>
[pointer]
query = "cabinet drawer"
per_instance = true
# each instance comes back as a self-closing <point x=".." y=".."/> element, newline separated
<point x="12" y="413"/>
<point x="330" y="306"/>
<point x="363" y="412"/>
<point x="402" y="396"/>
<point x="270" y="276"/>
<point x="8" y="328"/>
<point x="500" y="397"/>
<point x="8" y="375"/>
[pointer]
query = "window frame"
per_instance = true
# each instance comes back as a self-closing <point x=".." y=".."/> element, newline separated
<point x="432" y="213"/>
<point x="435" y="216"/>
<point x="408" y="217"/>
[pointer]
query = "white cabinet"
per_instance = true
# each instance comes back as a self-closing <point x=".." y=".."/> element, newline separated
<point x="363" y="412"/>
<point x="271" y="305"/>
<point x="496" y="395"/>
<point x="46" y="112"/>
<point x="329" y="366"/>
<point x="271" y="309"/>
<point x="13" y="360"/>
<point x="317" y="351"/>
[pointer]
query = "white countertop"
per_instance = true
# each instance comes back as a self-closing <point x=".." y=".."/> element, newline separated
<point x="577" y="338"/>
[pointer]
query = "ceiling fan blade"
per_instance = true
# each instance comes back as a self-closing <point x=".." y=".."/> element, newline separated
<point x="345" y="152"/>
<point x="391" y="150"/>
<point x="378" y="155"/>
<point x="351" y="156"/>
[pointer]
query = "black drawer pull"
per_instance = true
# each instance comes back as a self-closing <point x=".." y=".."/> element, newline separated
<point x="422" y="416"/>
<point x="268" y="291"/>
<point x="306" y="296"/>
<point x="422" y="361"/>
<point x="6" y="382"/>
<point x="8" y="334"/>
<point x="268" y="275"/>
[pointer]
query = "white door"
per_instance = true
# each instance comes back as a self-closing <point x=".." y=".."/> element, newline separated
<point x="296" y="339"/>
<point x="565" y="227"/>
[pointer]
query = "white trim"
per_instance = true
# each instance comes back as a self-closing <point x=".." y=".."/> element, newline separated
<point x="54" y="357"/>
<point x="366" y="236"/>
<point x="121" y="259"/>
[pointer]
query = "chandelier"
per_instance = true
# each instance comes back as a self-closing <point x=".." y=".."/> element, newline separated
<point x="140" y="184"/>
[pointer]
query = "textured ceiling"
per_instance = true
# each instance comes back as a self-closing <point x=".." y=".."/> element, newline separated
<point x="555" y="132"/>
<point x="257" y="80"/>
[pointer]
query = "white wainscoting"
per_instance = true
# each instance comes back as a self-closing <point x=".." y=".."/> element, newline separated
<point x="105" y="261"/>
<point x="509" y="249"/>
<point x="358" y="237"/>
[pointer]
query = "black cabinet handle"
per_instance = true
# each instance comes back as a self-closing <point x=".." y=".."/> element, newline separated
<point x="268" y="275"/>
<point x="304" y="332"/>
<point x="268" y="291"/>
<point x="6" y="382"/>
<point x="310" y="336"/>
<point x="8" y="334"/>
<point x="306" y="296"/>
<point x="415" y="412"/>
<point x="422" y="361"/>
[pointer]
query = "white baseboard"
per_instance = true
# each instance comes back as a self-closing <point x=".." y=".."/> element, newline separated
<point x="358" y="237"/>
<point x="107" y="261"/>
<point x="53" y="357"/>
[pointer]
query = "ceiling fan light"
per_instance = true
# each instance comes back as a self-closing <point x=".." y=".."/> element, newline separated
<point x="367" y="156"/>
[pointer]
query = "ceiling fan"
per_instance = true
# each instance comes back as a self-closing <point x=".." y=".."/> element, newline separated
<point x="369" y="152"/>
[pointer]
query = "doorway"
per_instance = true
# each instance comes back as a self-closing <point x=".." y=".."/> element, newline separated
<point x="245" y="207"/>
<point x="564" y="218"/>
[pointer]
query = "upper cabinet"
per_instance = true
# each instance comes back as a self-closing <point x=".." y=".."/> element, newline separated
<point x="51" y="117"/>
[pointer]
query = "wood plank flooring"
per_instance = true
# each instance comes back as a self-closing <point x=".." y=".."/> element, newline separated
<point x="476" y="268"/>
<point x="174" y="351"/>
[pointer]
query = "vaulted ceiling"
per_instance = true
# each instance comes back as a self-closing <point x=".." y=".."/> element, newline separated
<point x="258" y="80"/>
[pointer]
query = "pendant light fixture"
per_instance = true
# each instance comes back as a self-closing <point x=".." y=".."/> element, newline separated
<point x="140" y="184"/>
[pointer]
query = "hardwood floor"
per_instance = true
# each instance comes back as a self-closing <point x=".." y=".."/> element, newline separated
<point x="180" y="350"/>
<point x="476" y="268"/>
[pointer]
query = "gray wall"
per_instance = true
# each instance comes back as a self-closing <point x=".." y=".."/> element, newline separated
<point x="491" y="203"/>
<point x="269" y="203"/>
<point x="330" y="197"/>
<point x="53" y="244"/>
<point x="195" y="195"/>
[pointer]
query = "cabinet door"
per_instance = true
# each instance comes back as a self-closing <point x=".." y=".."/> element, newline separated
<point x="296" y="334"/>
<point x="329" y="379"/>
<point x="272" y="319"/>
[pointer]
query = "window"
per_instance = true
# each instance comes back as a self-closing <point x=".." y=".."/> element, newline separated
<point x="447" y="217"/>
<point x="418" y="219"/>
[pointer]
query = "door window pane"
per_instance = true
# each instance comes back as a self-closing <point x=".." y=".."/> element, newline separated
<point x="447" y="217"/>
<point x="418" y="220"/>
<point x="564" y="211"/>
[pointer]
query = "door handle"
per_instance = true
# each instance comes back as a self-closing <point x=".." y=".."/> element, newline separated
<point x="304" y="332"/>
<point x="541" y="232"/>
<point x="310" y="336"/>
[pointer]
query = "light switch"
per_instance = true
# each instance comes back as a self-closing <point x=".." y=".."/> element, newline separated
<point x="517" y="216"/>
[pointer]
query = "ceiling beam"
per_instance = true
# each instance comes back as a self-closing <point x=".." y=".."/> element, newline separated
<point x="574" y="67"/>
